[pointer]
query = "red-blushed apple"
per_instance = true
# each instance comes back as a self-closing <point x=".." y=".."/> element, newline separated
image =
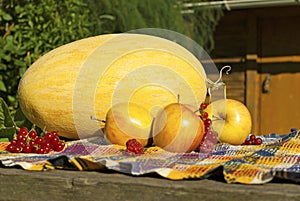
<point x="125" y="121"/>
<point x="177" y="128"/>
<point x="231" y="119"/>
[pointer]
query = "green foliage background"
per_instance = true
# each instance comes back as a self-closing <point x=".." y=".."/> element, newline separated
<point x="31" y="28"/>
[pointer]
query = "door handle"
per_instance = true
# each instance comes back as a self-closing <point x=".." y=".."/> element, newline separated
<point x="266" y="84"/>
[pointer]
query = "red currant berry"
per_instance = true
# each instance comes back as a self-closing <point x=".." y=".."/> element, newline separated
<point x="258" y="141"/>
<point x="48" y="137"/>
<point x="32" y="142"/>
<point x="58" y="147"/>
<point x="205" y="115"/>
<point x="23" y="131"/>
<point x="214" y="137"/>
<point x="133" y="146"/>
<point x="20" y="144"/>
<point x="252" y="137"/>
<point x="39" y="140"/>
<point x="209" y="133"/>
<point x="47" y="150"/>
<point x="20" y="136"/>
<point x="17" y="149"/>
<point x="203" y="106"/>
<point x="40" y="150"/>
<point x="249" y="142"/>
<point x="206" y="128"/>
<point x="13" y="142"/>
<point x="46" y="144"/>
<point x="54" y="133"/>
<point x="27" y="149"/>
<point x="208" y="141"/>
<point x="55" y="141"/>
<point x="23" y="139"/>
<point x="10" y="147"/>
<point x="207" y="122"/>
<point x="32" y="134"/>
<point x="62" y="143"/>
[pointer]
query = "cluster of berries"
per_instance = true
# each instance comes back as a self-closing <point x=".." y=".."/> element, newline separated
<point x="29" y="142"/>
<point x="210" y="137"/>
<point x="134" y="147"/>
<point x="253" y="140"/>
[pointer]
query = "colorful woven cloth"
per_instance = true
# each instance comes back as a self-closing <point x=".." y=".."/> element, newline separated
<point x="278" y="156"/>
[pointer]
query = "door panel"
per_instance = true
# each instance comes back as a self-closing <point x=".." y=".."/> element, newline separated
<point x="280" y="101"/>
<point x="280" y="106"/>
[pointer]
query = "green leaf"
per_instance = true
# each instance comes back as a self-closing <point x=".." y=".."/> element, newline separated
<point x="2" y="86"/>
<point x="30" y="24"/>
<point x="8" y="132"/>
<point x="5" y="117"/>
<point x="109" y="17"/>
<point x="18" y="9"/>
<point x="5" y="15"/>
<point x="4" y="140"/>
<point x="21" y="120"/>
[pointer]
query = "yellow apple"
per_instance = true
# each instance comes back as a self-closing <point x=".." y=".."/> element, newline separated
<point x="177" y="128"/>
<point x="126" y="121"/>
<point x="231" y="119"/>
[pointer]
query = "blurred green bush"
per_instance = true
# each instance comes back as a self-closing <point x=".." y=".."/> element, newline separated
<point x="30" y="28"/>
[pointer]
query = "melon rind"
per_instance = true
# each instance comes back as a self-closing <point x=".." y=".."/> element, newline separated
<point x="64" y="88"/>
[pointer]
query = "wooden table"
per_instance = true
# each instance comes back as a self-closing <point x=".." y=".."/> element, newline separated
<point x="19" y="184"/>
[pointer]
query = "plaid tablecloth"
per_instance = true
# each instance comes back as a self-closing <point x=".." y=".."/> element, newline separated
<point x="278" y="156"/>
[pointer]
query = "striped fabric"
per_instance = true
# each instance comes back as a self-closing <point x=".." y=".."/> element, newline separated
<point x="277" y="157"/>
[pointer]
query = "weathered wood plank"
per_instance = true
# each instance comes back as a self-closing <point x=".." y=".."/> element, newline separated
<point x="18" y="184"/>
<point x="230" y="35"/>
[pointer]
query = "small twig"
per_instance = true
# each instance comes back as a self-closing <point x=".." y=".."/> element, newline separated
<point x="197" y="110"/>
<point x="8" y="30"/>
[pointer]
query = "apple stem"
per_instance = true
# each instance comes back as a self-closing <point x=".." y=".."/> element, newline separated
<point x="150" y="140"/>
<point x="214" y="117"/>
<point x="95" y="119"/>
<point x="178" y="98"/>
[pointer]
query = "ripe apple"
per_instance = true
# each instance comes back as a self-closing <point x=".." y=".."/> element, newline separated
<point x="231" y="119"/>
<point x="176" y="128"/>
<point x="125" y="121"/>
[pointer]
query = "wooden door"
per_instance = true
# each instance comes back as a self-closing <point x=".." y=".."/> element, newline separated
<point x="279" y="74"/>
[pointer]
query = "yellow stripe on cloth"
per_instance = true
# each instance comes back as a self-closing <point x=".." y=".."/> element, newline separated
<point x="3" y="146"/>
<point x="248" y="174"/>
<point x="192" y="172"/>
<point x="87" y="164"/>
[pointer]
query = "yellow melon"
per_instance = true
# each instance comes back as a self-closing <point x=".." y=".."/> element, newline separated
<point x="64" y="88"/>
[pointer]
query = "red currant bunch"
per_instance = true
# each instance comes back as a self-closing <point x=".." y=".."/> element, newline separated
<point x="134" y="147"/>
<point x="253" y="140"/>
<point x="30" y="142"/>
<point x="210" y="137"/>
